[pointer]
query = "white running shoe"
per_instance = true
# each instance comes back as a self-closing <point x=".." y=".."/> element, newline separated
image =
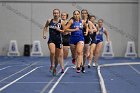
<point x="95" y="64"/>
<point x="89" y="65"/>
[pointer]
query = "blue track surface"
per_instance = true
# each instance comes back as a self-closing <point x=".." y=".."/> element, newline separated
<point x="121" y="79"/>
<point x="31" y="75"/>
<point x="77" y="83"/>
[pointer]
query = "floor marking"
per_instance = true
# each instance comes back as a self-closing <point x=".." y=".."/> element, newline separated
<point x="102" y="84"/>
<point x="18" y="72"/>
<point x="5" y="68"/>
<point x="57" y="82"/>
<point x="120" y="64"/>
<point x="137" y="71"/>
<point x="103" y="88"/>
<point x="50" y="82"/>
<point x="12" y="66"/>
<point x="4" y="87"/>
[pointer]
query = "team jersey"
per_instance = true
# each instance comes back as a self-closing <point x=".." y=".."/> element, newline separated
<point x="54" y="35"/>
<point x="52" y="31"/>
<point x="87" y="38"/>
<point x="99" y="36"/>
<point x="76" y="36"/>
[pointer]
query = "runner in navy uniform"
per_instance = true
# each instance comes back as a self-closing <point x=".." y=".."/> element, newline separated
<point x="65" y="36"/>
<point x="92" y="18"/>
<point x="87" y="39"/>
<point x="55" y="41"/>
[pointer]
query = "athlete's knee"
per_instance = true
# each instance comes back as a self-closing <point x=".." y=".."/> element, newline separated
<point x="90" y="55"/>
<point x="79" y="53"/>
<point x="61" y="55"/>
<point x="96" y="53"/>
<point x="85" y="55"/>
<point x="52" y="53"/>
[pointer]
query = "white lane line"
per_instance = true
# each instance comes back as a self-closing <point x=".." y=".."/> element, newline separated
<point x="20" y="65"/>
<point x="137" y="71"/>
<point x="4" y="68"/>
<point x="11" y="66"/>
<point x="18" y="72"/>
<point x="44" y="89"/>
<point x="57" y="82"/>
<point x="54" y="82"/>
<point x="50" y="82"/>
<point x="4" y="87"/>
<point x="103" y="88"/>
<point x="101" y="80"/>
<point x="120" y="64"/>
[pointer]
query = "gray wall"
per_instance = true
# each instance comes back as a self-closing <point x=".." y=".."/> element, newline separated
<point x="23" y="21"/>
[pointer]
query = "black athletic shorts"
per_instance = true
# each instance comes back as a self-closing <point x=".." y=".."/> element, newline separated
<point x="66" y="40"/>
<point x="56" y="41"/>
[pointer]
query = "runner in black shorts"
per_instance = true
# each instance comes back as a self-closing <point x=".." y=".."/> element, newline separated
<point x="65" y="36"/>
<point x="55" y="40"/>
<point x="87" y="39"/>
<point x="92" y="18"/>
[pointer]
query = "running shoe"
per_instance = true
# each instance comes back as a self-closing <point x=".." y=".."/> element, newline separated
<point x="89" y="65"/>
<point x="83" y="70"/>
<point x="54" y="72"/>
<point x="62" y="71"/>
<point x="51" y="68"/>
<point x="95" y="64"/>
<point x="78" y="70"/>
<point x="74" y="61"/>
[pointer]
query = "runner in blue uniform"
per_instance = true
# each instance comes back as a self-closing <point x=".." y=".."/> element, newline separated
<point x="99" y="40"/>
<point x="75" y="26"/>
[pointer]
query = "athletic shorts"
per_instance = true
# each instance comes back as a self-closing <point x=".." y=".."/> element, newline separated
<point x="57" y="42"/>
<point x="66" y="40"/>
<point x="87" y="40"/>
<point x="75" y="39"/>
<point x="96" y="41"/>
